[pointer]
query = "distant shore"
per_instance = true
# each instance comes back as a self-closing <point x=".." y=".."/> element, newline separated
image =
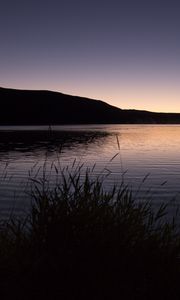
<point x="31" y="107"/>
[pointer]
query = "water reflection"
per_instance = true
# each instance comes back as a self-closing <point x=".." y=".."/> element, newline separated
<point x="25" y="141"/>
<point x="144" y="149"/>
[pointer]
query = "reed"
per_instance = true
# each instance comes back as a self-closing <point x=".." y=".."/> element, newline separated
<point x="81" y="242"/>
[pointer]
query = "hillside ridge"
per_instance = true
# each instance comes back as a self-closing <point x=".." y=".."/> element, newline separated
<point x="41" y="107"/>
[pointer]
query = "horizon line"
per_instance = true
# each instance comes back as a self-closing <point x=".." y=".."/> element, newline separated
<point x="86" y="97"/>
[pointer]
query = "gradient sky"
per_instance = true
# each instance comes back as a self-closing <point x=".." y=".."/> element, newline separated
<point x="126" y="53"/>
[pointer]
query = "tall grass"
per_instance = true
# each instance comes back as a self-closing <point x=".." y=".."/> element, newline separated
<point x="82" y="242"/>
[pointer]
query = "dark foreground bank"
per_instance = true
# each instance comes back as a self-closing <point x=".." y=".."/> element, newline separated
<point x="80" y="242"/>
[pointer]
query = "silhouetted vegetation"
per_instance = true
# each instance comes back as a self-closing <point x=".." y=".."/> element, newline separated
<point x="45" y="107"/>
<point x="81" y="242"/>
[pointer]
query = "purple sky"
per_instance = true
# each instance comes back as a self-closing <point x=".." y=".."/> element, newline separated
<point x="124" y="52"/>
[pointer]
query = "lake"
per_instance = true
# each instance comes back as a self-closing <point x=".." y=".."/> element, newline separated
<point x="146" y="157"/>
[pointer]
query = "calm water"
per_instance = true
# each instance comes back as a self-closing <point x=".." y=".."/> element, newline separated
<point x="151" y="151"/>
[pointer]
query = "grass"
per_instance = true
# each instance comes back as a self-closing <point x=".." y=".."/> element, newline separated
<point x="81" y="242"/>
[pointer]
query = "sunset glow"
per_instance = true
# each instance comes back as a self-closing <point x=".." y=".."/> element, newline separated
<point x="125" y="53"/>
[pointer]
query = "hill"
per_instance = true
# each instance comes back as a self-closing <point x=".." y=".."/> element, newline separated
<point x="20" y="107"/>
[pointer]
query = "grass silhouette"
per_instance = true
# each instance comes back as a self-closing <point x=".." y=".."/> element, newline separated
<point x="82" y="242"/>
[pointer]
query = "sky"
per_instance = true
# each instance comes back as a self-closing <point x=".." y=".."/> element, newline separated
<point x="126" y="53"/>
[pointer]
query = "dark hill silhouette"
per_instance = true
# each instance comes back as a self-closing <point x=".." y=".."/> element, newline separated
<point x="20" y="107"/>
